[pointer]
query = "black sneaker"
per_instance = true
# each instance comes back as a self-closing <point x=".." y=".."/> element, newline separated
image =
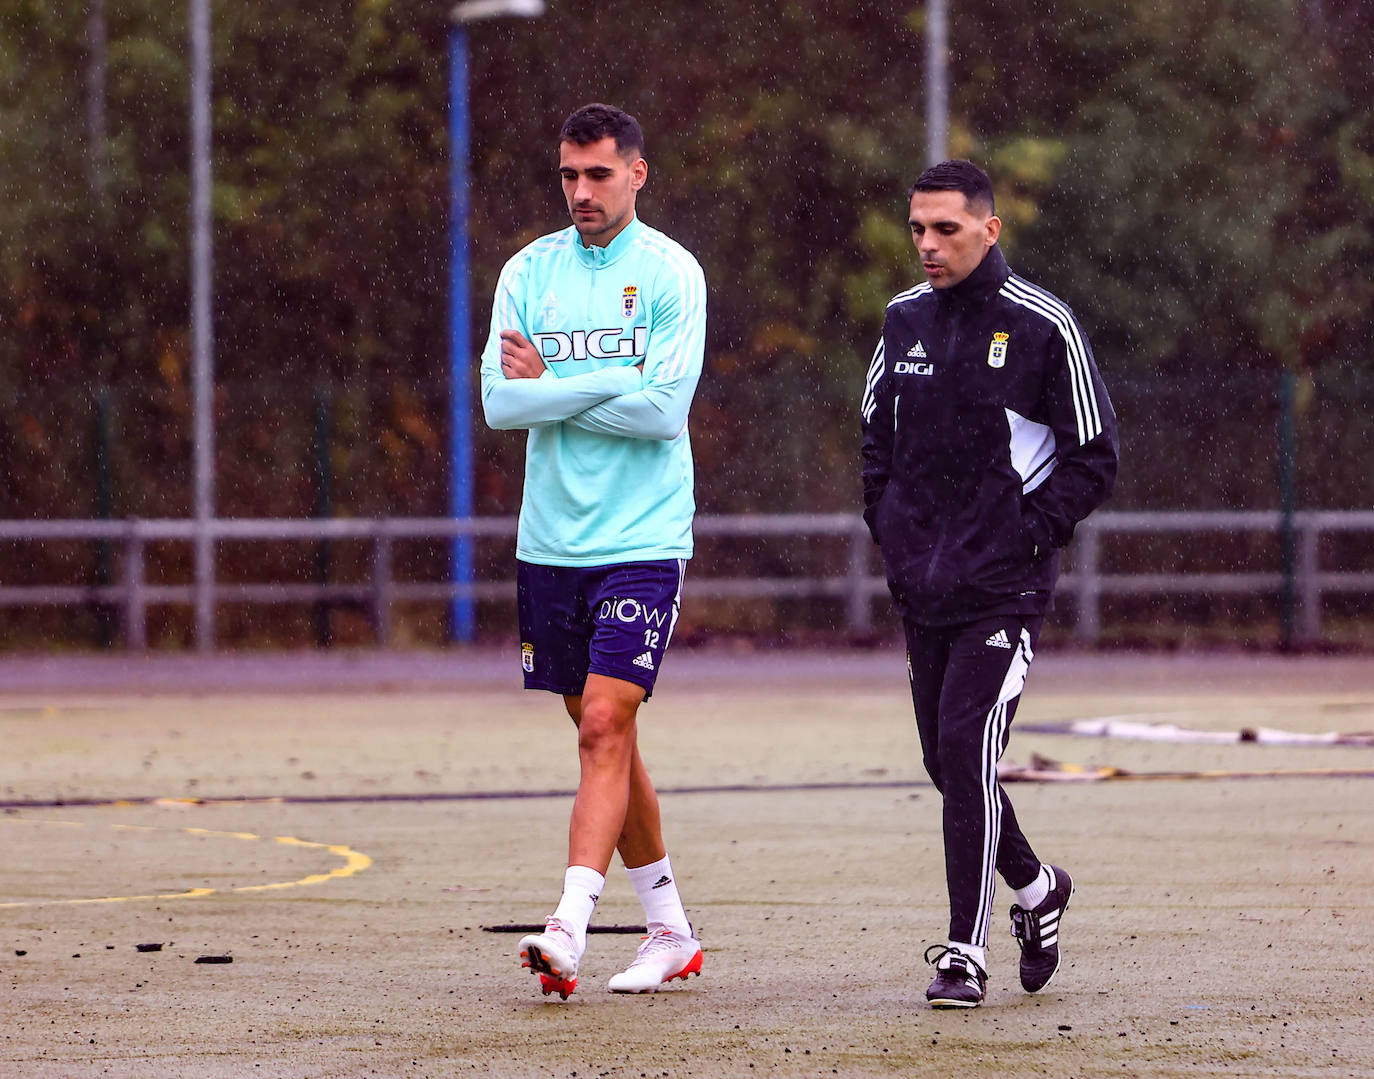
<point x="959" y="980"/>
<point x="1037" y="931"/>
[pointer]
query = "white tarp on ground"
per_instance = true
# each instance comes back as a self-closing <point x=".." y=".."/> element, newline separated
<point x="1128" y="727"/>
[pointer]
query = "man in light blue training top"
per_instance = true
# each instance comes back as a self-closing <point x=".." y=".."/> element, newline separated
<point x="595" y="349"/>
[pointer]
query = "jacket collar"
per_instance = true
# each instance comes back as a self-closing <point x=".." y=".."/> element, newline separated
<point x="987" y="277"/>
<point x="596" y="257"/>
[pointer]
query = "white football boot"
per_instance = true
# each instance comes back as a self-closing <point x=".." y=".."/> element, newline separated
<point x="554" y="956"/>
<point x="663" y="956"/>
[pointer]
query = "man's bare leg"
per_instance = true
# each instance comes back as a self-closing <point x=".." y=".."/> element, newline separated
<point x="605" y="716"/>
<point x="640" y="838"/>
<point x="671" y="949"/>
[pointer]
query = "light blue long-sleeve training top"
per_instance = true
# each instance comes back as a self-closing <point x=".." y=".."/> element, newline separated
<point x="608" y="464"/>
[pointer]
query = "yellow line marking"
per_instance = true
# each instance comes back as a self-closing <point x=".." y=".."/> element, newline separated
<point x="354" y="862"/>
<point x="192" y="894"/>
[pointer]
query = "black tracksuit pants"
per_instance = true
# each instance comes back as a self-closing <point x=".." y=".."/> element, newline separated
<point x="966" y="681"/>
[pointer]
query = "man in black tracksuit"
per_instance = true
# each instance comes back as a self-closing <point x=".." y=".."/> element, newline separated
<point x="988" y="436"/>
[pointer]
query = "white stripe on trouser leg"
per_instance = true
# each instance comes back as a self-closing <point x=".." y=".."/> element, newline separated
<point x="1015" y="680"/>
<point x="992" y="820"/>
<point x="994" y="731"/>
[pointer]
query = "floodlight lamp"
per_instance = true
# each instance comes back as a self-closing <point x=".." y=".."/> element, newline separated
<point x="475" y="10"/>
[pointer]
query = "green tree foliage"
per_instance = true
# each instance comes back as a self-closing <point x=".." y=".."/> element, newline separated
<point x="1178" y="204"/>
<point x="1196" y="178"/>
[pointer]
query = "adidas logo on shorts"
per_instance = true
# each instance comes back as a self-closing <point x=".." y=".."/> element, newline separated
<point x="999" y="639"/>
<point x="647" y="661"/>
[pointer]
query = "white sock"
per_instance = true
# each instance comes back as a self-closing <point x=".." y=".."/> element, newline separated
<point x="977" y="954"/>
<point x="1033" y="894"/>
<point x="657" y="890"/>
<point x="581" y="889"/>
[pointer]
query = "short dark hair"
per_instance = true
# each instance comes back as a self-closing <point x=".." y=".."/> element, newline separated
<point x="594" y="122"/>
<point x="957" y="175"/>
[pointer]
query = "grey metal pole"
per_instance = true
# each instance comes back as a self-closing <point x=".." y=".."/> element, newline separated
<point x="96" y="134"/>
<point x="1288" y="502"/>
<point x="937" y="81"/>
<point x="1309" y="590"/>
<point x="1087" y="572"/>
<point x="858" y="605"/>
<point x="202" y="331"/>
<point x="135" y="599"/>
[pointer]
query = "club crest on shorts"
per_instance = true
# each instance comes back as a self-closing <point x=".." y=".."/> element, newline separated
<point x="527" y="657"/>
<point x="997" y="351"/>
<point x="628" y="298"/>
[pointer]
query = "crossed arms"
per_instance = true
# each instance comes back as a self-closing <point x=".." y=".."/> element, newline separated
<point x="646" y="400"/>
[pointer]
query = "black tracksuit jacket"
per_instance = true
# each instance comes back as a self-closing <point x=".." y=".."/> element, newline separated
<point x="987" y="436"/>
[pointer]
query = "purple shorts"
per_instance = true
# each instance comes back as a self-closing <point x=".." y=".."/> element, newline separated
<point x="609" y="620"/>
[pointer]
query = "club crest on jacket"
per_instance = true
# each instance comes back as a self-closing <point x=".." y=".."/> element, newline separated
<point x="997" y="351"/>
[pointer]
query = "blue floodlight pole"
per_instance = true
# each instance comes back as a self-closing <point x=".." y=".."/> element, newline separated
<point x="463" y="624"/>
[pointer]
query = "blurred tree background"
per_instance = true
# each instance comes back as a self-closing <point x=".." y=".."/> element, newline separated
<point x="1196" y="178"/>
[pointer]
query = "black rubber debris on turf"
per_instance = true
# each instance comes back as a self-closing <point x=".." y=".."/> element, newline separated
<point x="155" y="946"/>
<point x="532" y="927"/>
<point x="214" y="959"/>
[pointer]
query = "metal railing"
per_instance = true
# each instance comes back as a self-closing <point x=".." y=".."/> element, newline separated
<point x="1308" y="580"/>
<point x="858" y="583"/>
